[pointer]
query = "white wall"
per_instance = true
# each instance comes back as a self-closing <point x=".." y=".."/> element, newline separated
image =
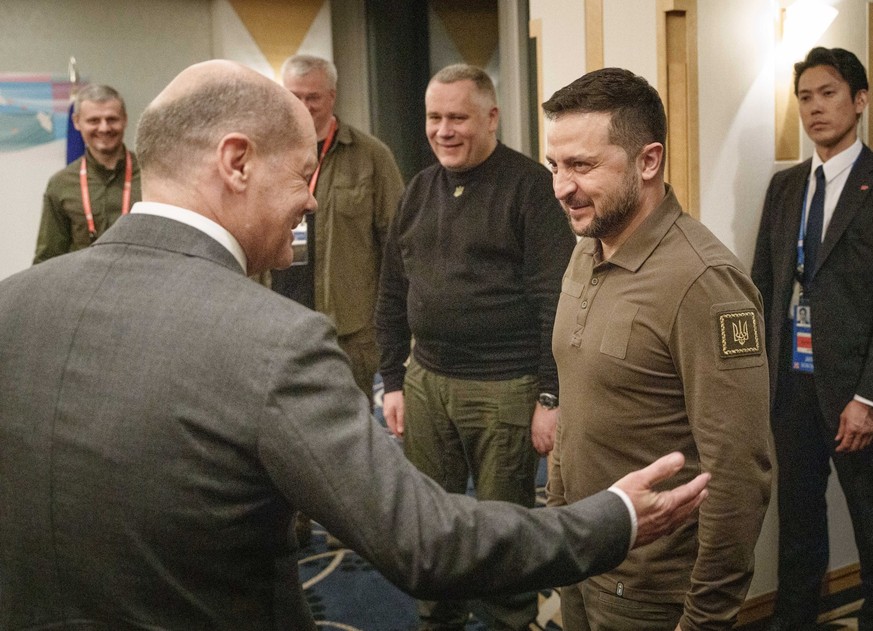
<point x="628" y="30"/>
<point x="563" y="41"/>
<point x="736" y="118"/>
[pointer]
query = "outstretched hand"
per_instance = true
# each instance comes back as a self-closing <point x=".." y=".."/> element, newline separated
<point x="660" y="513"/>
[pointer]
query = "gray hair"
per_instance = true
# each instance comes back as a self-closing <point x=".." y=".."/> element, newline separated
<point x="98" y="94"/>
<point x="466" y="72"/>
<point x="301" y="65"/>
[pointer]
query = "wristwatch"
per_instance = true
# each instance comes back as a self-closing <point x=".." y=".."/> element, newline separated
<point x="547" y="400"/>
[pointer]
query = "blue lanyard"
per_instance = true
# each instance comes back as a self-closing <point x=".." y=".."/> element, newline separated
<point x="801" y="235"/>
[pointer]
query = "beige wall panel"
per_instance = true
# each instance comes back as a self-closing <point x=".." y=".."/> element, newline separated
<point x="472" y="26"/>
<point x="593" y="35"/>
<point x="277" y="26"/>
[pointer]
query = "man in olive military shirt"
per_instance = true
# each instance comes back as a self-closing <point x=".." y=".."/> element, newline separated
<point x="82" y="200"/>
<point x="357" y="184"/>
<point x="659" y="341"/>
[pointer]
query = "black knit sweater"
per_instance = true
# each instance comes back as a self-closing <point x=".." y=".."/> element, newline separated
<point x="472" y="270"/>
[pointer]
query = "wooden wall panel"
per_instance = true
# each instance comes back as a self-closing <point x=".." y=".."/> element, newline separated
<point x="677" y="84"/>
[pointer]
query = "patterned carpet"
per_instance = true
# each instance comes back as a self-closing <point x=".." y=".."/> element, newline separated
<point x="345" y="592"/>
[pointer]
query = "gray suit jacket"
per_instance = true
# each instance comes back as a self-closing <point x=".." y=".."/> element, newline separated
<point x="840" y="294"/>
<point x="162" y="416"/>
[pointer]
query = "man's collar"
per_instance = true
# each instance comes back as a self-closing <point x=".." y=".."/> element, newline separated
<point x="119" y="163"/>
<point x="198" y="221"/>
<point x="838" y="163"/>
<point x="642" y="242"/>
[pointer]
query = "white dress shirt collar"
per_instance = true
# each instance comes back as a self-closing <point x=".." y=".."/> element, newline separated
<point x="198" y="221"/>
<point x="838" y="163"/>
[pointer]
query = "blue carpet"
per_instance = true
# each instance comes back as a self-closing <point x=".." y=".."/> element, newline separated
<point x="345" y="592"/>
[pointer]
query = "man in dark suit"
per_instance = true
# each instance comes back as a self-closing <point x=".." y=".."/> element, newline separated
<point x="162" y="417"/>
<point x="814" y="259"/>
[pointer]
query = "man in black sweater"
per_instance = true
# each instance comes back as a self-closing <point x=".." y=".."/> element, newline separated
<point x="472" y="270"/>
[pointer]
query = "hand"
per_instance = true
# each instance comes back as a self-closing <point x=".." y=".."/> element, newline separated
<point x="393" y="408"/>
<point x="542" y="429"/>
<point x="856" y="427"/>
<point x="659" y="514"/>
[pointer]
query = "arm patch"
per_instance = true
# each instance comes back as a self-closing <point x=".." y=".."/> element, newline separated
<point x="739" y="334"/>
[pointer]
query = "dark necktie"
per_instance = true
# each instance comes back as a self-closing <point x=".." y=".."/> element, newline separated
<point x="812" y="237"/>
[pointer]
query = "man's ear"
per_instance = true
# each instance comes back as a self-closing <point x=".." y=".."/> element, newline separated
<point x="650" y="158"/>
<point x="493" y="119"/>
<point x="861" y="97"/>
<point x="235" y="153"/>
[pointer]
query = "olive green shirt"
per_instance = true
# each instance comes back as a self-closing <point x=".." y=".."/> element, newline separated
<point x="63" y="227"/>
<point x="358" y="189"/>
<point x="661" y="348"/>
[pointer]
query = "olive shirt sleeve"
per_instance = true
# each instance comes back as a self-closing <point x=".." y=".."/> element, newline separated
<point x="548" y="245"/>
<point x="54" y="237"/>
<point x="718" y="347"/>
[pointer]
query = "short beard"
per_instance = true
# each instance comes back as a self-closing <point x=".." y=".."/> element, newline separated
<point x="617" y="209"/>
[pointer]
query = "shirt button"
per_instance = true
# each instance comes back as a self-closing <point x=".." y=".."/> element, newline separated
<point x="594" y="281"/>
<point x="584" y="304"/>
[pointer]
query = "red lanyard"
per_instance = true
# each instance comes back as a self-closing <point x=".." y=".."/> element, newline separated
<point x="324" y="148"/>
<point x="86" y="196"/>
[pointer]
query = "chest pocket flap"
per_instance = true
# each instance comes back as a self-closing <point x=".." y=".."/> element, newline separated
<point x="618" y="329"/>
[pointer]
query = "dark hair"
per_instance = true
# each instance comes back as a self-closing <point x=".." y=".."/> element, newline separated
<point x="841" y="60"/>
<point x="638" y="116"/>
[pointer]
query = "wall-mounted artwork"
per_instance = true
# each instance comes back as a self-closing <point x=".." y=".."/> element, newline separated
<point x="34" y="109"/>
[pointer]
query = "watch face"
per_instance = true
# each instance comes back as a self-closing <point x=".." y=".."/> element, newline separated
<point x="548" y="401"/>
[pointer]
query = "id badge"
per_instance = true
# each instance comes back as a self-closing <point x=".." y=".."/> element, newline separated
<point x="802" y="338"/>
<point x="301" y="243"/>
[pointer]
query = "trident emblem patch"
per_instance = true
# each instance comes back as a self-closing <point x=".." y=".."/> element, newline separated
<point x="739" y="333"/>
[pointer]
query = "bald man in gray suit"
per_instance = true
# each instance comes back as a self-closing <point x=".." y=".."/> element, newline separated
<point x="162" y="417"/>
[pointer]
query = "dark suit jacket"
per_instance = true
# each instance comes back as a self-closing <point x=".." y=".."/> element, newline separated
<point x="840" y="294"/>
<point x="161" y="416"/>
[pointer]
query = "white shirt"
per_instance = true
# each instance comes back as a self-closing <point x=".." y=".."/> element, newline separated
<point x="836" y="172"/>
<point x="198" y="221"/>
<point x="630" y="509"/>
